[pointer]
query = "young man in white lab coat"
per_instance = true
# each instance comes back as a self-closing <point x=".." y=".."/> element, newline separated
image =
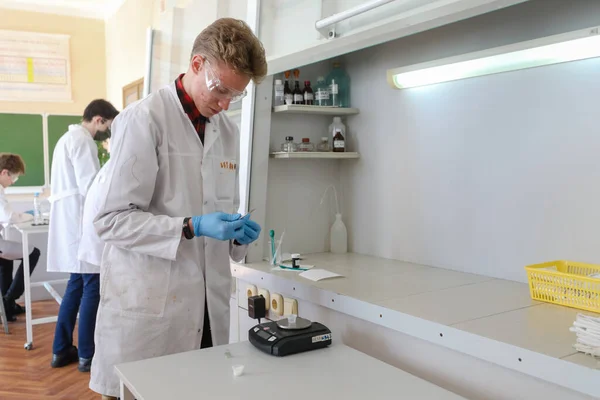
<point x="74" y="166"/>
<point x="11" y="167"/>
<point x="165" y="213"/>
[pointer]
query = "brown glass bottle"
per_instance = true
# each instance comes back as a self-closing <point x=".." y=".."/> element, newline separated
<point x="339" y="142"/>
<point x="298" y="96"/>
<point x="308" y="94"/>
<point x="288" y="96"/>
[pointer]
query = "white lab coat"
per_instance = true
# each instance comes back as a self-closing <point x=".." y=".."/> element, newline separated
<point x="74" y="165"/>
<point x="10" y="250"/>
<point x="152" y="292"/>
<point x="90" y="245"/>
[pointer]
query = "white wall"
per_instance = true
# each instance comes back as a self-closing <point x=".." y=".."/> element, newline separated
<point x="176" y="29"/>
<point x="295" y="187"/>
<point x="126" y="46"/>
<point x="233" y="9"/>
<point x="290" y="26"/>
<point x="484" y="175"/>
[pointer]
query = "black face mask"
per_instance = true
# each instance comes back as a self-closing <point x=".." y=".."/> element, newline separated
<point x="101" y="136"/>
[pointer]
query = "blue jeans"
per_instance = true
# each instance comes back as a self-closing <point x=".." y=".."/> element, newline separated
<point x="83" y="295"/>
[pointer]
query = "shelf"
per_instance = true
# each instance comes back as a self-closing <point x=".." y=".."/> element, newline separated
<point x="315" y="154"/>
<point x="315" y="110"/>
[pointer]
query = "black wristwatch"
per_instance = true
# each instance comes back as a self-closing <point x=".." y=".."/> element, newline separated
<point x="187" y="232"/>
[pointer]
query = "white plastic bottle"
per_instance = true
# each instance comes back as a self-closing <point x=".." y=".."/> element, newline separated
<point x="278" y="99"/>
<point x="337" y="123"/>
<point x="338" y="236"/>
<point x="37" y="213"/>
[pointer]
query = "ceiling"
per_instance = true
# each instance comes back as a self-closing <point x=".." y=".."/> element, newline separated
<point x="98" y="9"/>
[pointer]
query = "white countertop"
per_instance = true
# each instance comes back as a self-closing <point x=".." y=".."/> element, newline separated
<point x="320" y="374"/>
<point x="491" y="308"/>
<point x="29" y="228"/>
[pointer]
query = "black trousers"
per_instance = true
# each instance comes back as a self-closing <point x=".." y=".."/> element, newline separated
<point x="11" y="288"/>
<point x="206" y="336"/>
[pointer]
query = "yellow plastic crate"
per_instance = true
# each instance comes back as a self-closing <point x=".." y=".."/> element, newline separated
<point x="566" y="283"/>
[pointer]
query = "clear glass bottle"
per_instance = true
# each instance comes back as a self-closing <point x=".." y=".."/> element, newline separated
<point x="324" y="145"/>
<point x="289" y="146"/>
<point x="278" y="98"/>
<point x="37" y="213"/>
<point x="339" y="84"/>
<point x="322" y="93"/>
<point x="306" y="145"/>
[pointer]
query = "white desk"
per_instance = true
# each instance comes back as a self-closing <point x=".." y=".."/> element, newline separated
<point x="337" y="372"/>
<point x="27" y="229"/>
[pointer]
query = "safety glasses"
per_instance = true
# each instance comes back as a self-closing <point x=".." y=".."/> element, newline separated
<point x="13" y="178"/>
<point x="218" y="89"/>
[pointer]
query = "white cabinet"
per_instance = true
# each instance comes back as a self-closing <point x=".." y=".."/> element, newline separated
<point x="288" y="32"/>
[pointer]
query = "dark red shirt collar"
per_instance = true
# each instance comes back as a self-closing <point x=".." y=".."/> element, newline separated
<point x="198" y="120"/>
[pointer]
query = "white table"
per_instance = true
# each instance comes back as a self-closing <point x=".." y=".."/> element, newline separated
<point x="337" y="372"/>
<point x="27" y="229"/>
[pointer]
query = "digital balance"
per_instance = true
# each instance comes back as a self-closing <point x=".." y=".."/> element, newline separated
<point x="289" y="336"/>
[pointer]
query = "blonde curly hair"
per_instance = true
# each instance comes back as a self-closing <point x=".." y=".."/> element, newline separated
<point x="232" y="42"/>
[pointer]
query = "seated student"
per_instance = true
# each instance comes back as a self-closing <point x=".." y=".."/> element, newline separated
<point x="11" y="166"/>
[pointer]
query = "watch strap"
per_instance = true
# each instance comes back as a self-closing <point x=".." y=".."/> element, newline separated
<point x="187" y="232"/>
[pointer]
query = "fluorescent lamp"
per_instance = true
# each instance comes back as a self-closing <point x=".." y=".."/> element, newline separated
<point x="555" y="49"/>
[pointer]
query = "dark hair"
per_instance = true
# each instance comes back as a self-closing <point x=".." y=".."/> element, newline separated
<point x="13" y="163"/>
<point x="100" y="108"/>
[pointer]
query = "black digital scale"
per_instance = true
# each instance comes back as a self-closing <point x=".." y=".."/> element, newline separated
<point x="286" y="336"/>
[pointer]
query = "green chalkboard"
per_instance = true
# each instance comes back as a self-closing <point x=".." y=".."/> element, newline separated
<point x="58" y="125"/>
<point x="23" y="134"/>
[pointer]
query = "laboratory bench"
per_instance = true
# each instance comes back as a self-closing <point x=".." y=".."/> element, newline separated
<point x="317" y="374"/>
<point x="479" y="317"/>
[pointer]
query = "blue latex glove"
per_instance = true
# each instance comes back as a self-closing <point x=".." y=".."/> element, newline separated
<point x="251" y="231"/>
<point x="219" y="225"/>
<point x="30" y="212"/>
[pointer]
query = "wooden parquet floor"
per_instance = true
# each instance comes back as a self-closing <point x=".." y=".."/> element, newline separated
<point x="27" y="375"/>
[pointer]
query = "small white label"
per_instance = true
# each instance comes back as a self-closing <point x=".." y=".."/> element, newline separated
<point x="321" y="338"/>
<point x="308" y="96"/>
<point x="322" y="95"/>
<point x="279" y="93"/>
<point x="298" y="98"/>
<point x="334" y="88"/>
<point x="289" y="99"/>
<point x="338" y="144"/>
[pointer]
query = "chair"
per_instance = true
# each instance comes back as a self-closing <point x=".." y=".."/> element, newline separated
<point x="3" y="317"/>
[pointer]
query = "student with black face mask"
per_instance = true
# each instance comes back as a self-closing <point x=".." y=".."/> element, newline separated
<point x="75" y="164"/>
